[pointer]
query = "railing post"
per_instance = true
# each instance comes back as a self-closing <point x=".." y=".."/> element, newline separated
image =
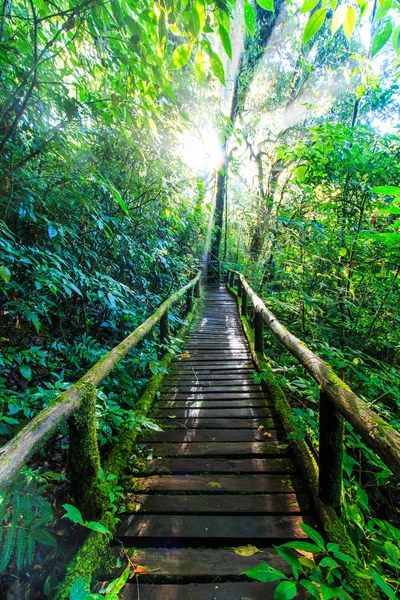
<point x="189" y="300"/>
<point x="239" y="290"/>
<point x="84" y="456"/>
<point x="330" y="453"/>
<point x="164" y="327"/>
<point x="197" y="289"/>
<point x="244" y="302"/>
<point x="232" y="277"/>
<point x="258" y="332"/>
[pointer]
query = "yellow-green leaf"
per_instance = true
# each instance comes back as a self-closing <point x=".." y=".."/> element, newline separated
<point x="314" y="24"/>
<point x="225" y="39"/>
<point x="180" y="56"/>
<point x="266" y="4"/>
<point x="217" y="67"/>
<point x="349" y="22"/>
<point x="200" y="66"/>
<point x="246" y="550"/>
<point x="308" y="5"/>
<point x="249" y="17"/>
<point x="338" y="18"/>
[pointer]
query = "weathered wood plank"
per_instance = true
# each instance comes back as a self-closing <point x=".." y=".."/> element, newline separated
<point x="214" y="413"/>
<point x="256" y="504"/>
<point x="271" y="448"/>
<point x="213" y="396"/>
<point x="217" y="484"/>
<point x="256" y="403"/>
<point x="180" y="466"/>
<point x="217" y="435"/>
<point x="271" y="423"/>
<point x="168" y="530"/>
<point x="202" y="591"/>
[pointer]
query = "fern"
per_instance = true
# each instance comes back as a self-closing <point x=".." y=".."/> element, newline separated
<point x="24" y="515"/>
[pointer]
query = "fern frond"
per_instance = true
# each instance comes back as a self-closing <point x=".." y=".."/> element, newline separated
<point x="20" y="546"/>
<point x="8" y="547"/>
<point x="30" y="549"/>
<point x="44" y="537"/>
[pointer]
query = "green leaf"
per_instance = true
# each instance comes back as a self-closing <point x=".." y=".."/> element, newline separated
<point x="314" y="24"/>
<point x="200" y="66"/>
<point x="392" y="551"/>
<point x="302" y="546"/>
<point x="217" y="68"/>
<point x="286" y="590"/>
<point x="225" y="39"/>
<point x="327" y="592"/>
<point x="349" y="21"/>
<point x="386" y="190"/>
<point x="79" y="590"/>
<point x="266" y="4"/>
<point x="382" y="10"/>
<point x="26" y="372"/>
<point x="328" y="562"/>
<point x="117" y="584"/>
<point x="314" y="535"/>
<point x="265" y="573"/>
<point x="338" y="17"/>
<point x="381" y="583"/>
<point x="180" y="56"/>
<point x="73" y="514"/>
<point x="96" y="526"/>
<point x="381" y="37"/>
<point x="249" y="17"/>
<point x="5" y="273"/>
<point x="308" y="5"/>
<point x="311" y="588"/>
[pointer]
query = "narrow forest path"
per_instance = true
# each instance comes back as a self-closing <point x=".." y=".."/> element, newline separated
<point x="222" y="476"/>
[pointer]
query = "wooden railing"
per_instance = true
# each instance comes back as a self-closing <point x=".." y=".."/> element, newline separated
<point x="337" y="401"/>
<point x="81" y="397"/>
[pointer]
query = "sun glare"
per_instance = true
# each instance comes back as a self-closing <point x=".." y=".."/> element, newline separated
<point x="201" y="150"/>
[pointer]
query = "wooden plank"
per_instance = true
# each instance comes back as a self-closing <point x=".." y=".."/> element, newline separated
<point x="216" y="379"/>
<point x="217" y="484"/>
<point x="272" y="448"/>
<point x="202" y="591"/>
<point x="271" y="423"/>
<point x="212" y="404"/>
<point x="216" y="435"/>
<point x="246" y="367"/>
<point x="195" y="563"/>
<point x="180" y="466"/>
<point x="168" y="530"/>
<point x="251" y="504"/>
<point x="220" y="389"/>
<point x="213" y="396"/>
<point x="213" y="413"/>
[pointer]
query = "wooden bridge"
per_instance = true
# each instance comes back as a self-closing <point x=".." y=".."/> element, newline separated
<point x="223" y="474"/>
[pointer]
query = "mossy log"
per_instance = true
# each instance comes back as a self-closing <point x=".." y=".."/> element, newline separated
<point x="15" y="454"/>
<point x="375" y="431"/>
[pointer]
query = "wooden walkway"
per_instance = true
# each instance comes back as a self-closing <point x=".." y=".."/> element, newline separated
<point x="222" y="474"/>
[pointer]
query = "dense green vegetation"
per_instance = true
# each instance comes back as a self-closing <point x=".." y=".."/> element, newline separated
<point x="104" y="213"/>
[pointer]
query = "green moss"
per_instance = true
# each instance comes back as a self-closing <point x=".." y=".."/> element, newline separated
<point x="91" y="557"/>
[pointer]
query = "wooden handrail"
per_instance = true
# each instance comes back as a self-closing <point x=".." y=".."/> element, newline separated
<point x="15" y="454"/>
<point x="377" y="434"/>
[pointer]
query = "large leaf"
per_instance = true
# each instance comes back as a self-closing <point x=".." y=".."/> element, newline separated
<point x="217" y="68"/>
<point x="246" y="550"/>
<point x="73" y="513"/>
<point x="96" y="526"/>
<point x="200" y="66"/>
<point x="387" y="190"/>
<point x="314" y="24"/>
<point x="314" y="535"/>
<point x="180" y="56"/>
<point x="225" y="39"/>
<point x="266" y="4"/>
<point x="381" y="37"/>
<point x="26" y="372"/>
<point x="5" y="273"/>
<point x="349" y="22"/>
<point x="249" y="17"/>
<point x="302" y="546"/>
<point x="265" y="573"/>
<point x="381" y="583"/>
<point x="338" y="17"/>
<point x="117" y="584"/>
<point x="286" y="590"/>
<point x="79" y="590"/>
<point x="308" y="5"/>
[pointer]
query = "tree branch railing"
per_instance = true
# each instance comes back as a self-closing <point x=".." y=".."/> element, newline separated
<point x="15" y="454"/>
<point x="337" y="401"/>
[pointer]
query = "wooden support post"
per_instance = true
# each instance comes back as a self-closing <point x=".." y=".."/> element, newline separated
<point x="232" y="278"/>
<point x="258" y="332"/>
<point x="244" y="302"/>
<point x="164" y="327"/>
<point x="197" y="289"/>
<point x="84" y="456"/>
<point x="330" y="453"/>
<point x="189" y="300"/>
<point x="239" y="284"/>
